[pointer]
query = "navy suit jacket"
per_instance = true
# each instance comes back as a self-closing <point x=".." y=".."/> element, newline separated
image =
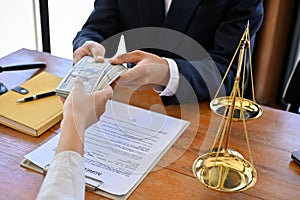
<point x="217" y="25"/>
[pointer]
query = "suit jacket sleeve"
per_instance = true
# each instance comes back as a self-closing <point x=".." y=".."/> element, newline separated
<point x="102" y="23"/>
<point x="200" y="79"/>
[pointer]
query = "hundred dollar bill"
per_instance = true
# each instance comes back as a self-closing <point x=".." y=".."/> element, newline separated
<point x="95" y="75"/>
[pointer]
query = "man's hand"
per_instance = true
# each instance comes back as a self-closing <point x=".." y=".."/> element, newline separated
<point x="150" y="70"/>
<point x="89" y="48"/>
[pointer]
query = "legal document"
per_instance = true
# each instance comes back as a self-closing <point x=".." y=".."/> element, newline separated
<point x="122" y="148"/>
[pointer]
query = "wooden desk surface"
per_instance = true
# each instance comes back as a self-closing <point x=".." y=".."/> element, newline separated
<point x="273" y="137"/>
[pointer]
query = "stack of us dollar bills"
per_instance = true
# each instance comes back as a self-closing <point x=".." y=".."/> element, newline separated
<point x="95" y="75"/>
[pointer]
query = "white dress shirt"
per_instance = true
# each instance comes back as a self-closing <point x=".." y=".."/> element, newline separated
<point x="173" y="82"/>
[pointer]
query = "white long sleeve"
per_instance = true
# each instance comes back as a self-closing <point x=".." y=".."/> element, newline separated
<point x="65" y="178"/>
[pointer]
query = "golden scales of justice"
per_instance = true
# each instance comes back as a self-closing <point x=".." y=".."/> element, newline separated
<point x="222" y="168"/>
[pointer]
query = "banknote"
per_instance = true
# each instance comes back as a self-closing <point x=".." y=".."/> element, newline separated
<point x="95" y="75"/>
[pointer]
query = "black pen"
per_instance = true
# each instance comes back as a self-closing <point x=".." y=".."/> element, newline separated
<point x="37" y="96"/>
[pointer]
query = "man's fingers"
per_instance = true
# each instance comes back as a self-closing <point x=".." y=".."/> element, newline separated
<point x="98" y="53"/>
<point x="130" y="76"/>
<point x="89" y="48"/>
<point x="131" y="57"/>
<point x="96" y="50"/>
<point x="78" y="54"/>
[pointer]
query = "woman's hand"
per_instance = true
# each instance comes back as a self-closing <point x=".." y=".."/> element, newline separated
<point x="80" y="111"/>
<point x="85" y="108"/>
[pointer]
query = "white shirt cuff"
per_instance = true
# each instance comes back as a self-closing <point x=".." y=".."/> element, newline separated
<point x="173" y="83"/>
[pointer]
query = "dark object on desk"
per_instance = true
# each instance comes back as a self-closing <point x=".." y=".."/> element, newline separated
<point x="3" y="88"/>
<point x="20" y="90"/>
<point x="291" y="94"/>
<point x="33" y="65"/>
<point x="37" y="96"/>
<point x="296" y="157"/>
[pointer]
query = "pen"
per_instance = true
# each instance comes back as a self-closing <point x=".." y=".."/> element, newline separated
<point x="37" y="96"/>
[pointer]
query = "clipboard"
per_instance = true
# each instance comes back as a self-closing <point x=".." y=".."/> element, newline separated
<point x="145" y="135"/>
<point x="30" y="165"/>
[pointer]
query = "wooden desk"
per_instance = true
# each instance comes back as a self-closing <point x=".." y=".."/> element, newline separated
<point x="273" y="137"/>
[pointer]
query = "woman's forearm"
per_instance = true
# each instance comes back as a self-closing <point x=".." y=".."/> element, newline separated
<point x="72" y="136"/>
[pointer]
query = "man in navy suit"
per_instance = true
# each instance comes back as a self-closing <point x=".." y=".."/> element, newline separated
<point x="217" y="25"/>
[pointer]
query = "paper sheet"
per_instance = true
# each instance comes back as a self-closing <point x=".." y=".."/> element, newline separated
<point x="122" y="147"/>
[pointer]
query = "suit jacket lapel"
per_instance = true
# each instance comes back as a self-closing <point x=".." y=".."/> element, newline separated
<point x="180" y="13"/>
<point x="151" y="12"/>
